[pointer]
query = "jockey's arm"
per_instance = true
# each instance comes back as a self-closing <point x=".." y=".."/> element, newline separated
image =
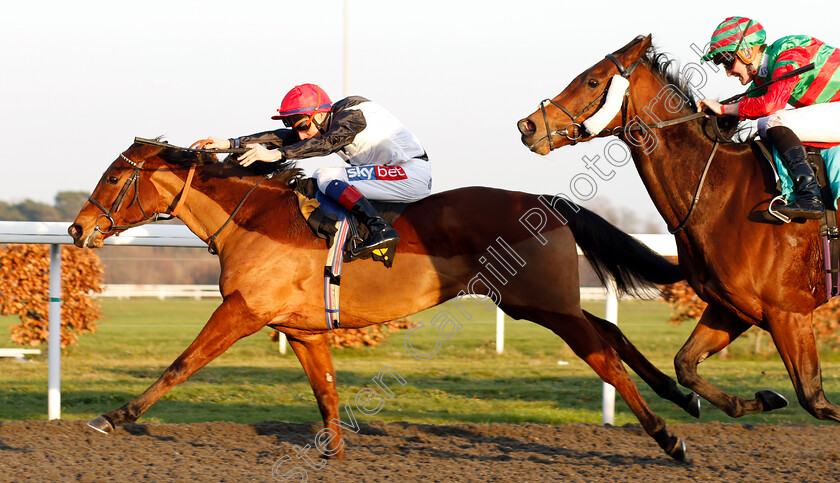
<point x="271" y="139"/>
<point x="274" y="139"/>
<point x="344" y="126"/>
<point x="775" y="99"/>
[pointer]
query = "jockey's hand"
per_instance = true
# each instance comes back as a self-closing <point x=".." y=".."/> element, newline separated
<point x="258" y="152"/>
<point x="710" y="104"/>
<point x="211" y="143"/>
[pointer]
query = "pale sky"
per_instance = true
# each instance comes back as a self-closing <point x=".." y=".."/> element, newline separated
<point x="81" y="79"/>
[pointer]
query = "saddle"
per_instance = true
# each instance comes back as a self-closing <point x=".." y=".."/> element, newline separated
<point x="828" y="223"/>
<point x="323" y="216"/>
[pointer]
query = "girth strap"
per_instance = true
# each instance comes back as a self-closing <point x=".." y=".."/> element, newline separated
<point x="828" y="230"/>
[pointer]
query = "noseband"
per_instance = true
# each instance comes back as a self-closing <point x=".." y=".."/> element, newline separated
<point x="132" y="180"/>
<point x="574" y="131"/>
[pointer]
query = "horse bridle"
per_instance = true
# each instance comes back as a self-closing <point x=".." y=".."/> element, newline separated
<point x="576" y="131"/>
<point x="132" y="180"/>
<point x="577" y="134"/>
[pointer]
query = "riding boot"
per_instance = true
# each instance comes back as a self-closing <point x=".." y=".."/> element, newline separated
<point x="382" y="234"/>
<point x="807" y="204"/>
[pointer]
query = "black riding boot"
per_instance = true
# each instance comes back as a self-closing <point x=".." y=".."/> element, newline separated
<point x="382" y="234"/>
<point x="807" y="204"/>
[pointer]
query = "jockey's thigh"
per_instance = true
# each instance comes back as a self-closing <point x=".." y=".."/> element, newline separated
<point x="815" y="123"/>
<point x="403" y="182"/>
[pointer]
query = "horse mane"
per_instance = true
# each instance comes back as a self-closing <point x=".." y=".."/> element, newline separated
<point x="281" y="172"/>
<point x="668" y="70"/>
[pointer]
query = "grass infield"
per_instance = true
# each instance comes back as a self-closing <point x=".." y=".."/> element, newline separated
<point x="537" y="379"/>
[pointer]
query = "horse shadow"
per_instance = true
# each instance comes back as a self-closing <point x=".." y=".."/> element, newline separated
<point x="421" y="440"/>
<point x="5" y="447"/>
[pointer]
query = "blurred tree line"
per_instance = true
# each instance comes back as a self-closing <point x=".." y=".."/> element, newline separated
<point x="67" y="206"/>
<point x="170" y="265"/>
<point x="132" y="265"/>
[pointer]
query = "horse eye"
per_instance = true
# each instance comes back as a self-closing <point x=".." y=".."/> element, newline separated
<point x="112" y="180"/>
<point x="593" y="83"/>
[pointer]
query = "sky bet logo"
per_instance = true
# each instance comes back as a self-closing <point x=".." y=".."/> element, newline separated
<point x="371" y="173"/>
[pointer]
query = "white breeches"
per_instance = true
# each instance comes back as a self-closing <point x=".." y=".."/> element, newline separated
<point x="397" y="183"/>
<point x="816" y="123"/>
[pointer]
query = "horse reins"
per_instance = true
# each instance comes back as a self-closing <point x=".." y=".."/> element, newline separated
<point x="211" y="240"/>
<point x="577" y="134"/>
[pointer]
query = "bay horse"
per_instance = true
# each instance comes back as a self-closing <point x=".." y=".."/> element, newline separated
<point x="751" y="273"/>
<point x="272" y="270"/>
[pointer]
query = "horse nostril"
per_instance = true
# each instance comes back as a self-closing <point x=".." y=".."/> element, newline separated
<point x="75" y="231"/>
<point x="526" y="127"/>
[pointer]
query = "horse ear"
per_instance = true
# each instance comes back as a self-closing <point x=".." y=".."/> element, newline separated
<point x="636" y="47"/>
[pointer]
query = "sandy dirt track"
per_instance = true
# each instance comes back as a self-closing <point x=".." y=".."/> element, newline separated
<point x="219" y="451"/>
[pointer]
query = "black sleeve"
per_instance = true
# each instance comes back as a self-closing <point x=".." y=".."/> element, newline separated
<point x="344" y="126"/>
<point x="271" y="139"/>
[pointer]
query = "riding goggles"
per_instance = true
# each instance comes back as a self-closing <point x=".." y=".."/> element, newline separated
<point x="300" y="123"/>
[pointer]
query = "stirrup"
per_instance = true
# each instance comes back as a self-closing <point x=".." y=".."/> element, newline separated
<point x="779" y="216"/>
<point x="798" y="212"/>
<point x="377" y="240"/>
<point x="361" y="250"/>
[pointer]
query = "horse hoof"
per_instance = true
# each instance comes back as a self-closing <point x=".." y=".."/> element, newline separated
<point x="771" y="400"/>
<point x="678" y="451"/>
<point x="101" y="424"/>
<point x="693" y="405"/>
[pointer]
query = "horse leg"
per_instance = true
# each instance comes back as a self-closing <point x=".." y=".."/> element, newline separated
<point x="795" y="342"/>
<point x="663" y="385"/>
<point x="584" y="339"/>
<point x="716" y="329"/>
<point x="230" y="322"/>
<point x="313" y="352"/>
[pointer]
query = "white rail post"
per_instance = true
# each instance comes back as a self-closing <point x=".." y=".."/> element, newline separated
<point x="54" y="337"/>
<point x="608" y="395"/>
<point x="281" y="343"/>
<point x="500" y="331"/>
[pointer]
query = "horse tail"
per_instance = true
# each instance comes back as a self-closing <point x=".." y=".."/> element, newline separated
<point x="610" y="251"/>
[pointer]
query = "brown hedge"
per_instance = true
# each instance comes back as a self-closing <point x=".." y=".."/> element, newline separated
<point x="24" y="291"/>
<point x="687" y="306"/>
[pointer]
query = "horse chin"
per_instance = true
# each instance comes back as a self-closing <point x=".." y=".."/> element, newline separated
<point x="93" y="239"/>
<point x="540" y="146"/>
<point x="97" y="242"/>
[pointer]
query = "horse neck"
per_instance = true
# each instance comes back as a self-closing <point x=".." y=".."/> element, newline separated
<point x="672" y="160"/>
<point x="212" y="200"/>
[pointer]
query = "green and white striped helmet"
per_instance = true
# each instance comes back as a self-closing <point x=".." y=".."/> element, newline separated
<point x="733" y="34"/>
